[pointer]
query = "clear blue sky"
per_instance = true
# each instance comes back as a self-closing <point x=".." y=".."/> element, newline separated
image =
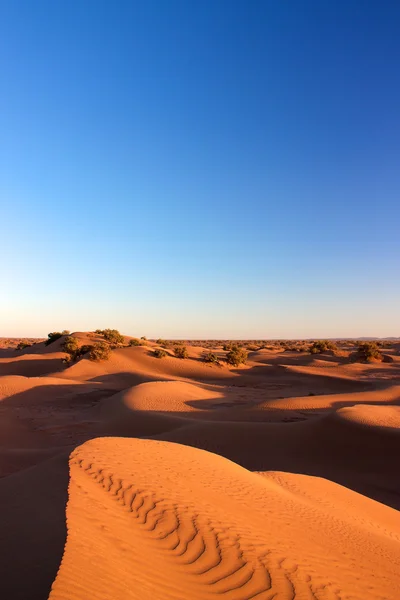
<point x="205" y="168"/>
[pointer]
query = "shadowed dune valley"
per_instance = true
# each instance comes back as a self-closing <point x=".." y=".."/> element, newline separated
<point x="143" y="469"/>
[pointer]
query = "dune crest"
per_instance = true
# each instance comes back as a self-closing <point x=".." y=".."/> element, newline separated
<point x="161" y="520"/>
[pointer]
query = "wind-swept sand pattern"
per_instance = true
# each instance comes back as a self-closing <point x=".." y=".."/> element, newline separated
<point x="150" y="519"/>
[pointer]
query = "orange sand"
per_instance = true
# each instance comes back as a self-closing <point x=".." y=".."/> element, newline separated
<point x="277" y="479"/>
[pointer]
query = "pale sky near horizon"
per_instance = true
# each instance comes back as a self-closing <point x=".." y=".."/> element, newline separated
<point x="206" y="169"/>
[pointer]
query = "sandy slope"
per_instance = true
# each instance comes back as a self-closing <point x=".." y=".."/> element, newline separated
<point x="361" y="452"/>
<point x="302" y="415"/>
<point x="152" y="520"/>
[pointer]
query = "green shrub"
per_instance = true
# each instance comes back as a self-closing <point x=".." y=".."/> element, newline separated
<point x="227" y="347"/>
<point x="320" y="346"/>
<point x="134" y="342"/>
<point x="163" y="343"/>
<point x="85" y="349"/>
<point x="369" y="351"/>
<point x="70" y="345"/>
<point x="22" y="345"/>
<point x="74" y="351"/>
<point x="210" y="357"/>
<point x="236" y="356"/>
<point x="113" y="336"/>
<point x="159" y="353"/>
<point x="181" y="352"/>
<point x="52" y="337"/>
<point x="100" y="351"/>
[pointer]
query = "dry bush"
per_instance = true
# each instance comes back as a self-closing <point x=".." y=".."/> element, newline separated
<point x="369" y="351"/>
<point x="236" y="356"/>
<point x="181" y="352"/>
<point x="70" y="345"/>
<point x="134" y="342"/>
<point x="22" y="345"/>
<point x="159" y="353"/>
<point x="52" y="337"/>
<point x="320" y="346"/>
<point x="99" y="351"/>
<point x="211" y="357"/>
<point x="228" y="346"/>
<point x="74" y="350"/>
<point x="113" y="336"/>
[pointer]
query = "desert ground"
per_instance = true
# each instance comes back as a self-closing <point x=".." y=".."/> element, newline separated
<point x="143" y="472"/>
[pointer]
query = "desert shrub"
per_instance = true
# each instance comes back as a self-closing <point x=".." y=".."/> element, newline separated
<point x="52" y="337"/>
<point x="228" y="346"/>
<point x="100" y="351"/>
<point x="65" y="332"/>
<point x="210" y="357"/>
<point x="71" y="346"/>
<point x="143" y="338"/>
<point x="85" y="349"/>
<point x="99" y="331"/>
<point x="74" y="351"/>
<point x="22" y="345"/>
<point x="383" y="344"/>
<point x="290" y="347"/>
<point x="134" y="342"/>
<point x="113" y="336"/>
<point x="181" y="352"/>
<point x="236" y="356"/>
<point x="369" y="351"/>
<point x="302" y="348"/>
<point x="320" y="346"/>
<point x="163" y="343"/>
<point x="159" y="353"/>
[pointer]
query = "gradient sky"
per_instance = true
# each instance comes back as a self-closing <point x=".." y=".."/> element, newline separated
<point x="197" y="169"/>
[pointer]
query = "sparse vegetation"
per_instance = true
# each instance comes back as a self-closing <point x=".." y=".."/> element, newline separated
<point x="211" y="357"/>
<point x="71" y="346"/>
<point x="143" y="338"/>
<point x="236" y="356"/>
<point x="114" y="337"/>
<point x="22" y="345"/>
<point x="159" y="353"/>
<point x="134" y="342"/>
<point x="369" y="351"/>
<point x="85" y="349"/>
<point x="320" y="346"/>
<point x="181" y="352"/>
<point x="65" y="332"/>
<point x="52" y="337"/>
<point x="228" y="346"/>
<point x="74" y="350"/>
<point x="100" y="351"/>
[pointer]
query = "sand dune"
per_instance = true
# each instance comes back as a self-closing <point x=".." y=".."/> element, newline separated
<point x="261" y="526"/>
<point x="201" y="526"/>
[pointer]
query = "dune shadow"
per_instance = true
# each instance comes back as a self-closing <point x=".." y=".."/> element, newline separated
<point x="33" y="529"/>
<point x="32" y="368"/>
